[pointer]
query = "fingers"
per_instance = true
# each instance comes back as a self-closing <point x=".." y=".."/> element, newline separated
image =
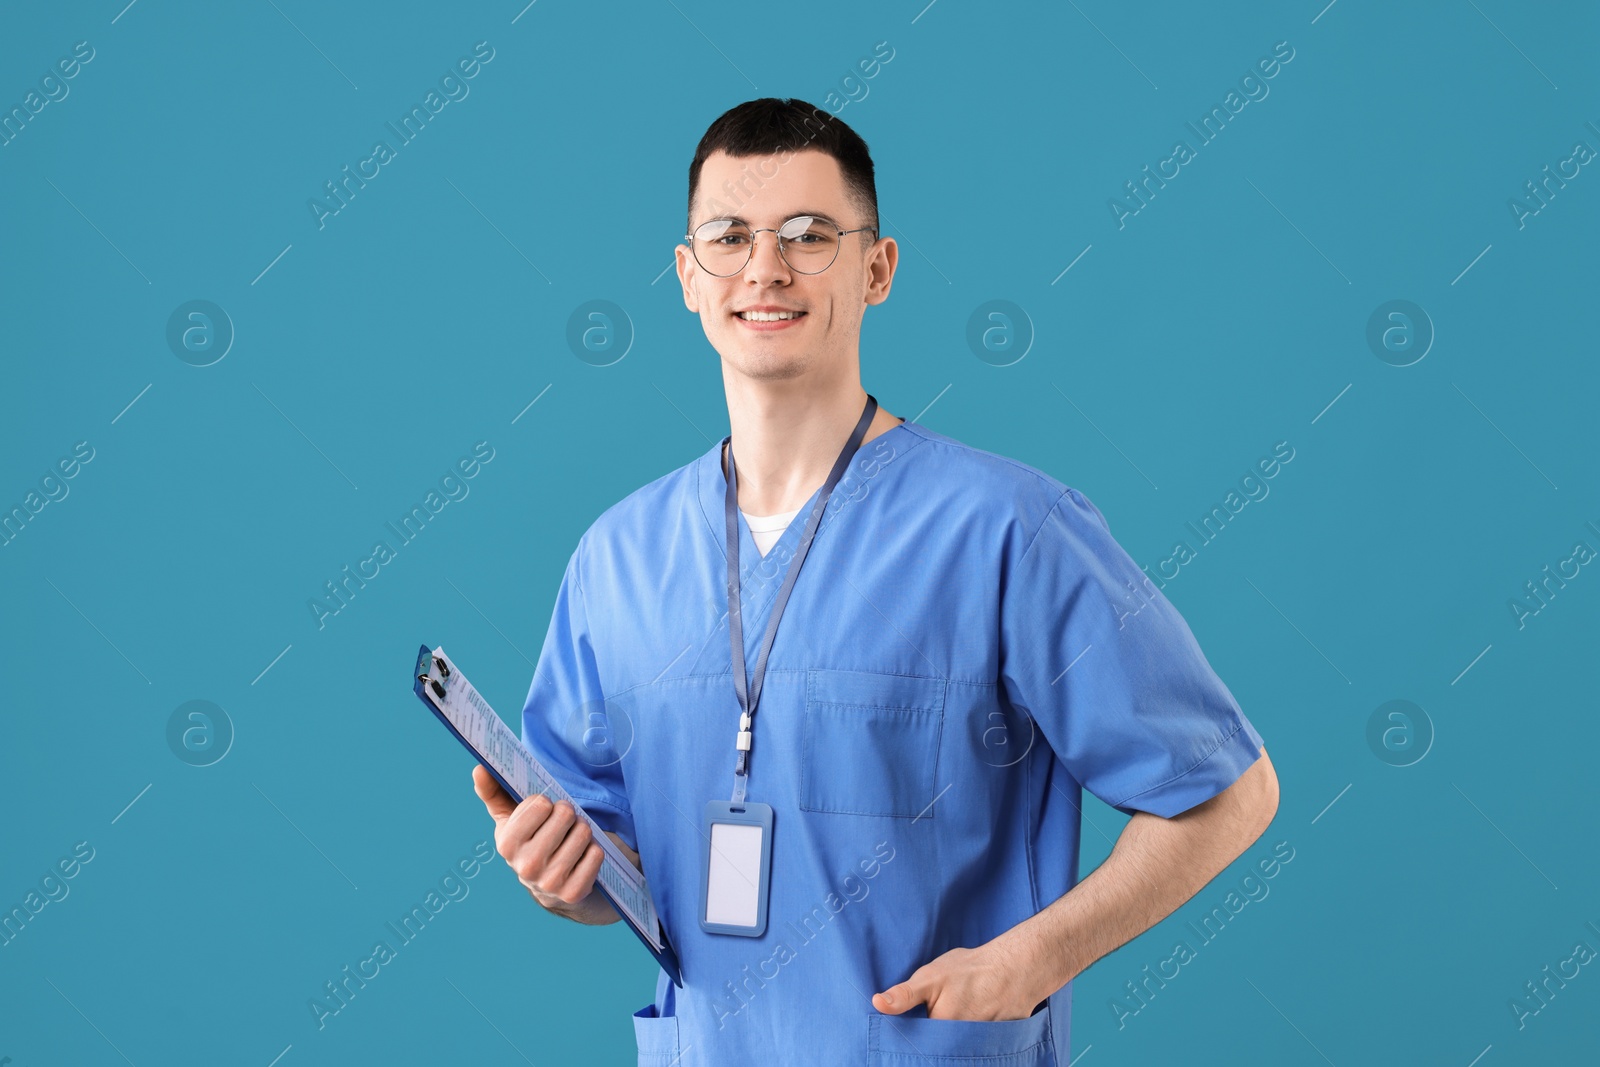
<point x="547" y="845"/>
<point x="580" y="883"/>
<point x="555" y="823"/>
<point x="530" y="817"/>
<point x="549" y="848"/>
<point x="570" y="871"/>
<point x="515" y="824"/>
<point x="513" y="833"/>
<point x="570" y="850"/>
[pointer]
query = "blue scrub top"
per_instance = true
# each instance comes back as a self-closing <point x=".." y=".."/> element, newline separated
<point x="965" y="650"/>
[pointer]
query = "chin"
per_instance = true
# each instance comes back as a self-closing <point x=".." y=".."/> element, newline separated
<point x="765" y="365"/>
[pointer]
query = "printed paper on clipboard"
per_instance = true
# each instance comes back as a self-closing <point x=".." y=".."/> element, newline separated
<point x="447" y="693"/>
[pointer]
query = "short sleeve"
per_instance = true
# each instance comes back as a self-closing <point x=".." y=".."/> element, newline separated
<point x="567" y="723"/>
<point x="1095" y="654"/>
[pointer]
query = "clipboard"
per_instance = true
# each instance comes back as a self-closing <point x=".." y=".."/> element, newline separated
<point x="440" y="685"/>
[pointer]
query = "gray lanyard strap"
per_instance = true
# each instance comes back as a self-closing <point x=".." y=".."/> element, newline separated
<point x="749" y="700"/>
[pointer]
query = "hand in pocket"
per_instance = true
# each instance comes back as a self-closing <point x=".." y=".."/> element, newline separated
<point x="981" y="984"/>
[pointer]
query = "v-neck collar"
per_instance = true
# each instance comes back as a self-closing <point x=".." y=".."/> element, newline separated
<point x="712" y="487"/>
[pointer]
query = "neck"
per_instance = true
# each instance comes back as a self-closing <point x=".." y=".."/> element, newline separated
<point x="787" y="433"/>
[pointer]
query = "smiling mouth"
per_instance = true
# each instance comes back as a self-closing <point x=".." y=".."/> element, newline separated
<point x="769" y="316"/>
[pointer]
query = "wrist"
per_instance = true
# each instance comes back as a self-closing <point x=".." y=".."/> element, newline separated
<point x="1042" y="962"/>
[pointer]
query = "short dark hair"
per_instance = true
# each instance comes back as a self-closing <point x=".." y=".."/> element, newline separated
<point x="772" y="125"/>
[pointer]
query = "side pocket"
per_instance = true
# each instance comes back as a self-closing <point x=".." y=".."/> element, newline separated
<point x="656" y="1036"/>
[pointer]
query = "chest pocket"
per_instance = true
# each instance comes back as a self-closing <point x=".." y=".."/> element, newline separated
<point x="870" y="743"/>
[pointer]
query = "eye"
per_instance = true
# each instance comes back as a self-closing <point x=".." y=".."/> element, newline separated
<point x="722" y="234"/>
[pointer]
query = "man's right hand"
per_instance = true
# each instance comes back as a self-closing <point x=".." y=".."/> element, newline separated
<point x="552" y="852"/>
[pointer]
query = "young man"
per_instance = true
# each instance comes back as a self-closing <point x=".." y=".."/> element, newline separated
<point x="964" y="649"/>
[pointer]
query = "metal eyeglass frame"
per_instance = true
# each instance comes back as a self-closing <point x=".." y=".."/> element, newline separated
<point x="750" y="254"/>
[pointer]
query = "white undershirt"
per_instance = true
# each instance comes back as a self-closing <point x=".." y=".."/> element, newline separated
<point x="766" y="529"/>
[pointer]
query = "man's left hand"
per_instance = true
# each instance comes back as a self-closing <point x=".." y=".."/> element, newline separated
<point x="983" y="984"/>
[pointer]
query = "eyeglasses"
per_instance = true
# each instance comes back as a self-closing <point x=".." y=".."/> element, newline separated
<point x="808" y="244"/>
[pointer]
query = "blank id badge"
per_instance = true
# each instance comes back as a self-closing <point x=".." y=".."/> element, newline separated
<point x="736" y="868"/>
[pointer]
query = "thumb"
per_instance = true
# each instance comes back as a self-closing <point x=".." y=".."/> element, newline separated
<point x="897" y="999"/>
<point x="494" y="798"/>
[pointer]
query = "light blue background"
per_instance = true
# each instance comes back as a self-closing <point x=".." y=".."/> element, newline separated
<point x="1226" y="316"/>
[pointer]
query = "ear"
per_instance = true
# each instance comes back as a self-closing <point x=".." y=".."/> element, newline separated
<point x="881" y="263"/>
<point x="686" y="271"/>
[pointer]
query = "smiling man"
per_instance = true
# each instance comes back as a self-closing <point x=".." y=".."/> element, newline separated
<point x="861" y="828"/>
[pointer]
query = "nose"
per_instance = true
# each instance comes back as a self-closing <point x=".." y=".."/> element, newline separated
<point x="766" y="264"/>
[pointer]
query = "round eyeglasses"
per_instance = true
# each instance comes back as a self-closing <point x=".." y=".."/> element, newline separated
<point x="808" y="244"/>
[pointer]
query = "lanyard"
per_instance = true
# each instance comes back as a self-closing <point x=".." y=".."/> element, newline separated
<point x="748" y="701"/>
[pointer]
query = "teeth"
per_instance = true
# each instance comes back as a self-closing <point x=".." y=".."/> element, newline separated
<point x="768" y="316"/>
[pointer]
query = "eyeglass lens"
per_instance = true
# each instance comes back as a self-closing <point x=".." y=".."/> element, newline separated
<point x="723" y="246"/>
